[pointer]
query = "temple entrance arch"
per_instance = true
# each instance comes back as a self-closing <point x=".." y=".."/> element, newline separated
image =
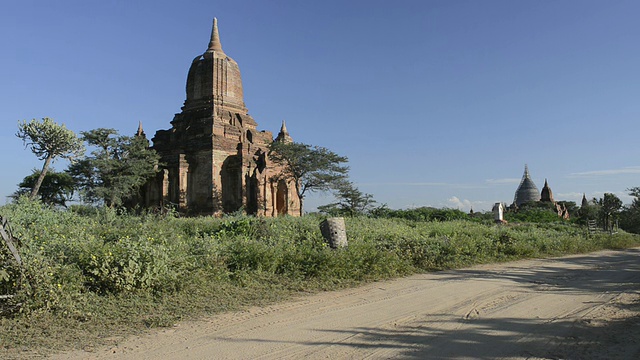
<point x="231" y="178"/>
<point x="252" y="195"/>
<point x="282" y="198"/>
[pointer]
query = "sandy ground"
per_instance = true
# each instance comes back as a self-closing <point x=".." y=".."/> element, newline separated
<point x="577" y="307"/>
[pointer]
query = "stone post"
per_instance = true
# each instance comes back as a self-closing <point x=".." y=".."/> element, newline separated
<point x="498" y="213"/>
<point x="334" y="232"/>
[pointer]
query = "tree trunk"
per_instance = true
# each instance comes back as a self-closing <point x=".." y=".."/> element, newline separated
<point x="43" y="173"/>
<point x="301" y="201"/>
<point x="300" y="195"/>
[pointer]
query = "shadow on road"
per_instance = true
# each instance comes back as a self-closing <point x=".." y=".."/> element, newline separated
<point x="611" y="272"/>
<point x="487" y="340"/>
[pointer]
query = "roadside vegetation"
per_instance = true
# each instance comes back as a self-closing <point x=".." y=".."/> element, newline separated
<point x="92" y="275"/>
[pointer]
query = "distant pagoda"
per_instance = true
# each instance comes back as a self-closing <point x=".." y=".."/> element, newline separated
<point x="547" y="194"/>
<point x="527" y="191"/>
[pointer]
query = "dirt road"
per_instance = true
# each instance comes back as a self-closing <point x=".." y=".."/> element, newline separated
<point x="578" y="307"/>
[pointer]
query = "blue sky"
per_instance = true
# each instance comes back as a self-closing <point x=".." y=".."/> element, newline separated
<point x="435" y="103"/>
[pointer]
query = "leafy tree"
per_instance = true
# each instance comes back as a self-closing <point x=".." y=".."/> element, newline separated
<point x="48" y="141"/>
<point x="312" y="168"/>
<point x="56" y="189"/>
<point x="381" y="211"/>
<point x="630" y="215"/>
<point x="351" y="201"/>
<point x="635" y="192"/>
<point x="610" y="206"/>
<point x="116" y="169"/>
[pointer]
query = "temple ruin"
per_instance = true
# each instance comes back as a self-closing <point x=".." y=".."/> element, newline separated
<point x="527" y="192"/>
<point x="214" y="160"/>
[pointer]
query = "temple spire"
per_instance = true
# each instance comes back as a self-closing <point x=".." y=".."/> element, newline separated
<point x="585" y="202"/>
<point x="547" y="194"/>
<point x="283" y="135"/>
<point x="527" y="191"/>
<point x="214" y="43"/>
<point x="140" y="131"/>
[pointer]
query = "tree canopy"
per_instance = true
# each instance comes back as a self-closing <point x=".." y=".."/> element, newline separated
<point x="630" y="215"/>
<point x="116" y="169"/>
<point x="311" y="168"/>
<point x="635" y="192"/>
<point x="610" y="206"/>
<point x="56" y="189"/>
<point x="48" y="141"/>
<point x="350" y="201"/>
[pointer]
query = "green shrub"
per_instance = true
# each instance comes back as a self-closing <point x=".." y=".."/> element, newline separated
<point x="81" y="265"/>
<point x="420" y="214"/>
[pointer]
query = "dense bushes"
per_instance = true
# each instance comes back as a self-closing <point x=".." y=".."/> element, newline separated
<point x="533" y="215"/>
<point x="420" y="214"/>
<point x="109" y="253"/>
<point x="75" y="260"/>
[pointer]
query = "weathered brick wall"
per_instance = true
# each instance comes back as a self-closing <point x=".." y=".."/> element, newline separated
<point x="214" y="156"/>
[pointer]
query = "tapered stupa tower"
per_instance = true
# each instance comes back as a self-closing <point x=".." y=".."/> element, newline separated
<point x="527" y="190"/>
<point x="584" y="202"/>
<point x="547" y="194"/>
<point x="283" y="135"/>
<point x="214" y="81"/>
<point x="215" y="159"/>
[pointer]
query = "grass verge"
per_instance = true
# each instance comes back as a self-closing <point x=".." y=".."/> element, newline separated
<point x="93" y="278"/>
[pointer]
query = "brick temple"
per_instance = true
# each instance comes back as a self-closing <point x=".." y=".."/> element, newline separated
<point x="214" y="159"/>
